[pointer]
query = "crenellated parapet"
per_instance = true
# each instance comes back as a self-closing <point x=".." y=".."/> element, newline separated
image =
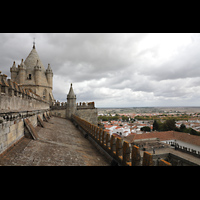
<point x="58" y="105"/>
<point x="85" y="105"/>
<point x="11" y="88"/>
<point x="120" y="152"/>
<point x="85" y="110"/>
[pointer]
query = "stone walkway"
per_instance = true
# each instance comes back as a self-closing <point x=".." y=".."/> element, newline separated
<point x="59" y="144"/>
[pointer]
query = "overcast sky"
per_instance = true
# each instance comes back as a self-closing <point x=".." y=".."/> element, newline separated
<point x="115" y="69"/>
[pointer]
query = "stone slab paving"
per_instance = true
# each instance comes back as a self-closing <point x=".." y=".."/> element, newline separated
<point x="59" y="144"/>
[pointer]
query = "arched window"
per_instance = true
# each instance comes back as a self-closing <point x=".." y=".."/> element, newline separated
<point x="44" y="94"/>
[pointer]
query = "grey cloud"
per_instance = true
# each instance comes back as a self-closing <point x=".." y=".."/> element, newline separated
<point x="110" y="65"/>
<point x="185" y="64"/>
<point x="96" y="53"/>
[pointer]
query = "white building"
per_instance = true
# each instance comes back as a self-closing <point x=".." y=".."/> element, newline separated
<point x="122" y="131"/>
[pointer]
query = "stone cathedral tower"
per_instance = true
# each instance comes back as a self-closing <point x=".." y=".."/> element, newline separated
<point x="32" y="74"/>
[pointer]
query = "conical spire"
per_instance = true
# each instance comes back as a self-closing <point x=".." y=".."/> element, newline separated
<point x="49" y="67"/>
<point x="32" y="59"/>
<point x="22" y="65"/>
<point x="49" y="70"/>
<point x="14" y="65"/>
<point x="71" y="93"/>
<point x="33" y="43"/>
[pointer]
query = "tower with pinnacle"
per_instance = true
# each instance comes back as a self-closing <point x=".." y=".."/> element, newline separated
<point x="71" y="103"/>
<point x="31" y="74"/>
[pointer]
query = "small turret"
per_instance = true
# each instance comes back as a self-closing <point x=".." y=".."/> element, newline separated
<point x="22" y="65"/>
<point x="13" y="71"/>
<point x="22" y="72"/>
<point x="33" y="43"/>
<point x="71" y="94"/>
<point x="14" y="65"/>
<point x="71" y="102"/>
<point x="37" y="70"/>
<point x="49" y="75"/>
<point x="49" y="70"/>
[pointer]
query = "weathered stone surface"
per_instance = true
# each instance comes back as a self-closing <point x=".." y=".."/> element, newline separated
<point x="31" y="129"/>
<point x="147" y="159"/>
<point x="136" y="156"/>
<point x="59" y="144"/>
<point x="89" y="115"/>
<point x="40" y="121"/>
<point x="31" y="74"/>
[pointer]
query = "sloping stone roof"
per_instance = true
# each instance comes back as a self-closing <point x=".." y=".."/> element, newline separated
<point x="31" y="60"/>
<point x="71" y="93"/>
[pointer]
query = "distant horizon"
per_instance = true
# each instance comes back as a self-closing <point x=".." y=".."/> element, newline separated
<point x="152" y="107"/>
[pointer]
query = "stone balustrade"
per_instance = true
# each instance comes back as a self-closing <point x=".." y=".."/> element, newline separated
<point x="185" y="149"/>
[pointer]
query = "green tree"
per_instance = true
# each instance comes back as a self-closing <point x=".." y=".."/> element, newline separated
<point x="155" y="126"/>
<point x="125" y="118"/>
<point x="182" y="127"/>
<point x="169" y="125"/>
<point x="146" y="128"/>
<point x="193" y="132"/>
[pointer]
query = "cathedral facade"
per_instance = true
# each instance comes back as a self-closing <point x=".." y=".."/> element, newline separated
<point x="32" y="75"/>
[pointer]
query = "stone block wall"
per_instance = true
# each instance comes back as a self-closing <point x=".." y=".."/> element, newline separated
<point x="87" y="111"/>
<point x="59" y="113"/>
<point x="8" y="103"/>
<point x="12" y="129"/>
<point x="90" y="115"/>
<point x="10" y="132"/>
<point x="14" y="97"/>
<point x="84" y="110"/>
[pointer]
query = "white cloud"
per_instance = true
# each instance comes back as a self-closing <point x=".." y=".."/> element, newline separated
<point x="115" y="69"/>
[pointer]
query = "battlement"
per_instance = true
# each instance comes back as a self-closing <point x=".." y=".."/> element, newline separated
<point x="14" y="96"/>
<point x="58" y="105"/>
<point x="85" y="105"/>
<point x="119" y="152"/>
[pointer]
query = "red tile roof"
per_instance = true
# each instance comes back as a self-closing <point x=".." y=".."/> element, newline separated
<point x="118" y="127"/>
<point x="166" y="135"/>
<point x="108" y="126"/>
